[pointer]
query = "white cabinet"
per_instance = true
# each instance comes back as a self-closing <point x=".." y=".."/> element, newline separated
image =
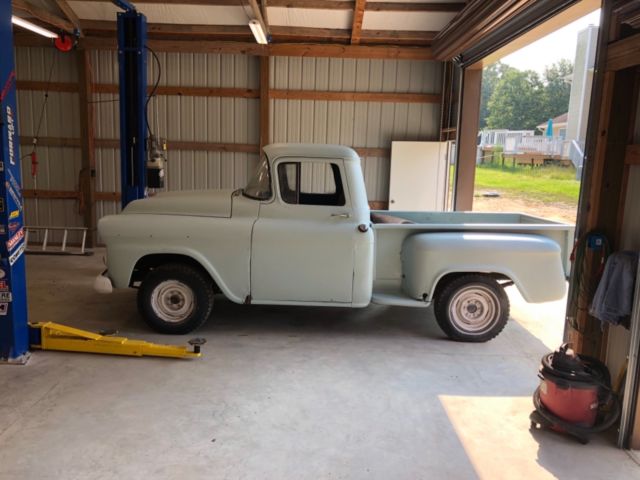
<point x="419" y="176"/>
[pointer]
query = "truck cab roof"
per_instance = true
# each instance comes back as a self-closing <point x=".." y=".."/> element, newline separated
<point x="310" y="150"/>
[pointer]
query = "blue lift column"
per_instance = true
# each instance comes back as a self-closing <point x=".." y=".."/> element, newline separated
<point x="14" y="330"/>
<point x="132" y="60"/>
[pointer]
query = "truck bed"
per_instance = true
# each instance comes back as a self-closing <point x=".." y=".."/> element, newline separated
<point x="397" y="226"/>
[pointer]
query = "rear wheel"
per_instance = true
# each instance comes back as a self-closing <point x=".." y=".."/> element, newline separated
<point x="175" y="298"/>
<point x="472" y="308"/>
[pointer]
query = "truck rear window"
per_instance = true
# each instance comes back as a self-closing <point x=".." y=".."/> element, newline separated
<point x="311" y="183"/>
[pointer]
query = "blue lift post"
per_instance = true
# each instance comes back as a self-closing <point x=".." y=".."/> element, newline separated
<point x="14" y="329"/>
<point x="132" y="60"/>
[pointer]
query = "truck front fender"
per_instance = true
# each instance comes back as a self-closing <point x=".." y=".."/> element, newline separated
<point x="121" y="262"/>
<point x="532" y="262"/>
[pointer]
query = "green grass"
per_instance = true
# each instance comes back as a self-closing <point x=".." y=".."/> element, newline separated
<point x="548" y="184"/>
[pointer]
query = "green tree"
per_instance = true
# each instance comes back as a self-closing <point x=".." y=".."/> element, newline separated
<point x="557" y="89"/>
<point x="490" y="77"/>
<point x="517" y="101"/>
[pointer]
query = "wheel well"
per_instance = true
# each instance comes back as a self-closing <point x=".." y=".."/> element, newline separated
<point x="445" y="279"/>
<point x="149" y="262"/>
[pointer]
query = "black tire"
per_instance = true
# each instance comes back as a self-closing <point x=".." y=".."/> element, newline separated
<point x="175" y="298"/>
<point x="454" y="303"/>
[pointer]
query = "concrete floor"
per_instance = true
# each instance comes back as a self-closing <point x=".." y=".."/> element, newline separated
<point x="302" y="393"/>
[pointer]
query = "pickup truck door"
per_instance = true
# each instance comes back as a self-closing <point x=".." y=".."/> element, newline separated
<point x="303" y="241"/>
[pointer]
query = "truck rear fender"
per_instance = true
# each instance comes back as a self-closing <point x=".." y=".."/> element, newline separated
<point x="532" y="262"/>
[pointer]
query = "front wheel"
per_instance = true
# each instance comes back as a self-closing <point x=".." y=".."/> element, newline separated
<point x="472" y="308"/>
<point x="175" y="298"/>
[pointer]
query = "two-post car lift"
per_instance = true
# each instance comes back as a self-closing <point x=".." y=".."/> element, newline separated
<point x="16" y="333"/>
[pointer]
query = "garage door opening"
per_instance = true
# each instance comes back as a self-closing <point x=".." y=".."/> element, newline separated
<point x="534" y="108"/>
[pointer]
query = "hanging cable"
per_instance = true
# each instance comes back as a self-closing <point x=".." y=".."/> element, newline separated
<point x="155" y="86"/>
<point x="33" y="153"/>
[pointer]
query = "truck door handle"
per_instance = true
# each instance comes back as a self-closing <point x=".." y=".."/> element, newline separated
<point x="341" y="215"/>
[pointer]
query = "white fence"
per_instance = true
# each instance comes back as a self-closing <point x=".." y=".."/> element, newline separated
<point x="524" y="141"/>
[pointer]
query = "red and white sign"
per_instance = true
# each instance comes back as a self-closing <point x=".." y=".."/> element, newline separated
<point x="13" y="241"/>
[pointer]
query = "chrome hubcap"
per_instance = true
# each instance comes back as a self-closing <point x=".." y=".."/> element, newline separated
<point x="172" y="301"/>
<point x="474" y="309"/>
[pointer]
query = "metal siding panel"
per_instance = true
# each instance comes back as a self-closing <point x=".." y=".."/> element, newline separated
<point x="360" y="121"/>
<point x="306" y="121"/>
<point x="293" y="121"/>
<point x="389" y="75"/>
<point x="333" y="122"/>
<point x="376" y="74"/>
<point x="320" y="116"/>
<point x="335" y="75"/>
<point x="214" y="128"/>
<point x="227" y="111"/>
<point x="346" y="122"/>
<point x="374" y="115"/>
<point x="308" y="74"/>
<point x="295" y="73"/>
<point x="362" y="75"/>
<point x="322" y="73"/>
<point x="349" y="74"/>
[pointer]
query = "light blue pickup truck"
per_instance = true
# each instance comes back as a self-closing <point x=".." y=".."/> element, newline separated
<point x="301" y="233"/>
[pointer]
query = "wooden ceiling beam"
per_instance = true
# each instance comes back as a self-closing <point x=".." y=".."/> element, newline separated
<point x="308" y="34"/>
<point x="397" y="37"/>
<point x="102" y="28"/>
<point x="322" y="5"/>
<point x="281" y="49"/>
<point x="414" y="7"/>
<point x="159" y="30"/>
<point x="358" y="16"/>
<point x="313" y="4"/>
<point x="43" y="15"/>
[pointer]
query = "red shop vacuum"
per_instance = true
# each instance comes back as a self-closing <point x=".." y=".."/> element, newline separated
<point x="574" y="395"/>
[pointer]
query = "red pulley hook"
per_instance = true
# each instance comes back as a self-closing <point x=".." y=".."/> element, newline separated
<point x="34" y="164"/>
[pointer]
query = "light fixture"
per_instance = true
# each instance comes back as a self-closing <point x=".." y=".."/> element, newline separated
<point x="33" y="27"/>
<point x="257" y="31"/>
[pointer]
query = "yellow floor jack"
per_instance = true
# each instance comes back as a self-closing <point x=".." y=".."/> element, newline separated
<point x="53" y="336"/>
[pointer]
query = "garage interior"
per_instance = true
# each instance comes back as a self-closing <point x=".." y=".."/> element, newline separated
<point x="302" y="392"/>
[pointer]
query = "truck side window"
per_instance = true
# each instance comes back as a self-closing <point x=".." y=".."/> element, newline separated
<point x="311" y="183"/>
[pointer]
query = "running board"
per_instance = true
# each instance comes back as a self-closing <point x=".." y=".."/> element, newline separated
<point x="396" y="298"/>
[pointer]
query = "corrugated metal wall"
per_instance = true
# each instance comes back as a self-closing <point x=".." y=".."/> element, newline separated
<point x="182" y="118"/>
<point x="58" y="167"/>
<point x="356" y="124"/>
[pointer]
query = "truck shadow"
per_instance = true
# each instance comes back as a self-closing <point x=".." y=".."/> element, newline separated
<point x="228" y="317"/>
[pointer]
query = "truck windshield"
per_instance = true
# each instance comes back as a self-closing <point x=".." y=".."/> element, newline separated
<point x="259" y="186"/>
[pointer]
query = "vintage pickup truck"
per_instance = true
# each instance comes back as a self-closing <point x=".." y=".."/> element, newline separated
<point x="301" y="233"/>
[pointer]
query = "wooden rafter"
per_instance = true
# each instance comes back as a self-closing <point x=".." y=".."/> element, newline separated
<point x="358" y="16"/>
<point x="43" y="15"/>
